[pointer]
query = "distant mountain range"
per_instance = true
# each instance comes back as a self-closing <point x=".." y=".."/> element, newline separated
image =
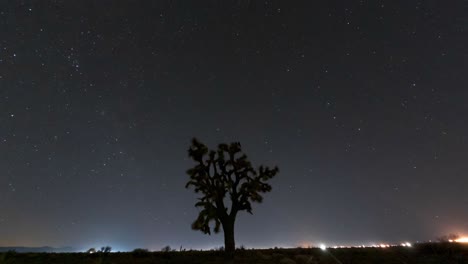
<point x="38" y="249"/>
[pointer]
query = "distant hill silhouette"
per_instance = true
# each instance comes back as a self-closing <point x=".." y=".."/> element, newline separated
<point x="38" y="249"/>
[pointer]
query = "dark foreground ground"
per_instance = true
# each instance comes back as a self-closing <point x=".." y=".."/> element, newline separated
<point x="437" y="253"/>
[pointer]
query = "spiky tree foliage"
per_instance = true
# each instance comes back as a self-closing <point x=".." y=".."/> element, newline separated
<point x="228" y="183"/>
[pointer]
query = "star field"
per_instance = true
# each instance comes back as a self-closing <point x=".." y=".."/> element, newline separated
<point x="362" y="105"/>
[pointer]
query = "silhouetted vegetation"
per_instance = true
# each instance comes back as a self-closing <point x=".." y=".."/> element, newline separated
<point x="166" y="249"/>
<point x="140" y="252"/>
<point x="430" y="253"/>
<point x="106" y="249"/>
<point x="222" y="172"/>
<point x="448" y="238"/>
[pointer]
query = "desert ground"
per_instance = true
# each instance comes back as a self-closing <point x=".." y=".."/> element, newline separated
<point x="428" y="253"/>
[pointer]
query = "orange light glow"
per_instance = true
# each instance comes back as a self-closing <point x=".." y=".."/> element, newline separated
<point x="306" y="244"/>
<point x="462" y="240"/>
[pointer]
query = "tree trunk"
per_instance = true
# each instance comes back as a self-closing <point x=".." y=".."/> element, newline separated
<point x="229" y="242"/>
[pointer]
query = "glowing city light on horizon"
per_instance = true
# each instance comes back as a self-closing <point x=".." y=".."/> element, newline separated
<point x="405" y="244"/>
<point x="462" y="240"/>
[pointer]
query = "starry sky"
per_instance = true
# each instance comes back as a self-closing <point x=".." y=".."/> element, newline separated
<point x="361" y="104"/>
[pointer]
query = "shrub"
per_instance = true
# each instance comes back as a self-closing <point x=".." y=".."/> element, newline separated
<point x="140" y="252"/>
<point x="166" y="249"/>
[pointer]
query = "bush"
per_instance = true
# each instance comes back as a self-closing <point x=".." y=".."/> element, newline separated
<point x="166" y="249"/>
<point x="138" y="252"/>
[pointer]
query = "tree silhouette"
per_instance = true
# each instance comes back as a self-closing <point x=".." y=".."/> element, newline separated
<point x="228" y="184"/>
<point x="106" y="249"/>
<point x="448" y="238"/>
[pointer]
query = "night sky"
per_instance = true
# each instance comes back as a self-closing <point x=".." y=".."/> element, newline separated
<point x="363" y="105"/>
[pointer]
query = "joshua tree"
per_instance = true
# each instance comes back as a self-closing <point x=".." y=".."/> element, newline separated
<point x="228" y="183"/>
<point x="106" y="249"/>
